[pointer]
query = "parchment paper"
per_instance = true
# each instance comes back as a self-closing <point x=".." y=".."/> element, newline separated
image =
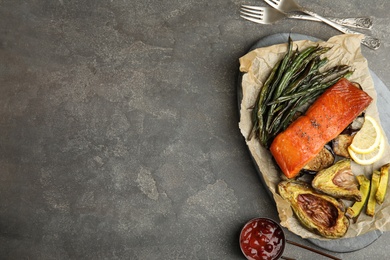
<point x="256" y="66"/>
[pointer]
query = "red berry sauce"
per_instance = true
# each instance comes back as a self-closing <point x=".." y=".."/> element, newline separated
<point x="262" y="238"/>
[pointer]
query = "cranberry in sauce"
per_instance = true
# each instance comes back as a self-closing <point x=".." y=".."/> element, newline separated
<point x="262" y="238"/>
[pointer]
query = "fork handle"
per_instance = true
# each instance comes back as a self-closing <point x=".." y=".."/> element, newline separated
<point x="358" y="22"/>
<point x="369" y="41"/>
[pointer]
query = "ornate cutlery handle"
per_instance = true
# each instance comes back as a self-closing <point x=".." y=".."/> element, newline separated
<point x="358" y="22"/>
<point x="369" y="41"/>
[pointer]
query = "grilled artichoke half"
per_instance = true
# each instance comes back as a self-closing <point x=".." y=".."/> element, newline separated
<point x="338" y="181"/>
<point x="317" y="212"/>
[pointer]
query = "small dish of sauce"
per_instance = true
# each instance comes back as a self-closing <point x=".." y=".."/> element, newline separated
<point x="262" y="239"/>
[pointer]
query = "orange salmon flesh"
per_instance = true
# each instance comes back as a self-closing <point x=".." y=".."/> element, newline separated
<point x="325" y="119"/>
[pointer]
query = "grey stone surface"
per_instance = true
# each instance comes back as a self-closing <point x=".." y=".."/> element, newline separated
<point x="119" y="127"/>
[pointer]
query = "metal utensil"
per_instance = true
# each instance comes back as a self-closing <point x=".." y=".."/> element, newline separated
<point x="268" y="15"/>
<point x="288" y="6"/>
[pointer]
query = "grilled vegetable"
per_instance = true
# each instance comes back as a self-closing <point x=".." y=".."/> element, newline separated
<point x="383" y="182"/>
<point x="355" y="126"/>
<point x="354" y="211"/>
<point x="318" y="212"/>
<point x="325" y="119"/>
<point x="322" y="161"/>
<point x="294" y="80"/>
<point x="341" y="143"/>
<point x="259" y="109"/>
<point x="266" y="92"/>
<point x="338" y="181"/>
<point x="371" y="199"/>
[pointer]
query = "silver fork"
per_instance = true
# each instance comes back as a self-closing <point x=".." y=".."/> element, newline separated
<point x="268" y="15"/>
<point x="288" y="6"/>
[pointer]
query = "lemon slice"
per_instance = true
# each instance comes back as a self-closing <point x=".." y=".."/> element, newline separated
<point x="368" y="158"/>
<point x="368" y="137"/>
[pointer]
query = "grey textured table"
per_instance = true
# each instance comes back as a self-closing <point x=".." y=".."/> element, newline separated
<point x="119" y="127"/>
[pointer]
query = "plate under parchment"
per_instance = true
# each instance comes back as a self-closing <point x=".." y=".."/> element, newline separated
<point x="341" y="245"/>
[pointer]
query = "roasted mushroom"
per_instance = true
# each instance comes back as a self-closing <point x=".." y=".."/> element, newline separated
<point x="338" y="181"/>
<point x="356" y="124"/>
<point x="340" y="145"/>
<point x="318" y="212"/>
<point x="341" y="142"/>
<point x="322" y="161"/>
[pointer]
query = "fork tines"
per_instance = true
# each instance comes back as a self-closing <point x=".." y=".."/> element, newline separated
<point x="252" y="13"/>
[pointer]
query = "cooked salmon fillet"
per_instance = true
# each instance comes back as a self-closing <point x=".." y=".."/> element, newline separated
<point x="325" y="119"/>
